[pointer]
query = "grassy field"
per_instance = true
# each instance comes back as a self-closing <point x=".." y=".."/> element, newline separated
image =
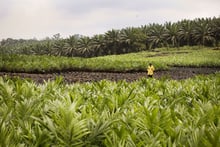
<point x="161" y="58"/>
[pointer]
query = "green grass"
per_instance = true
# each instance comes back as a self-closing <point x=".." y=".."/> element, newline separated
<point x="147" y="112"/>
<point x="172" y="57"/>
<point x="161" y="58"/>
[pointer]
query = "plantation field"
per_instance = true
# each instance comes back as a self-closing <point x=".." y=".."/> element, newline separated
<point x="147" y="112"/>
<point x="175" y="63"/>
<point x="161" y="58"/>
<point x="108" y="101"/>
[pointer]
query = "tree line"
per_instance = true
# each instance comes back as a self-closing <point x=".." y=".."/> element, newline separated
<point x="200" y="31"/>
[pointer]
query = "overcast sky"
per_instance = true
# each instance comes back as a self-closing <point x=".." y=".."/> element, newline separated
<point x="43" y="18"/>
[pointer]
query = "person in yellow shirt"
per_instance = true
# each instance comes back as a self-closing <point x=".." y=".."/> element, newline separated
<point x="150" y="70"/>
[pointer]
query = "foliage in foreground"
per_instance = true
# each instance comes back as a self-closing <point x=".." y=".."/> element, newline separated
<point x="147" y="112"/>
<point x="161" y="59"/>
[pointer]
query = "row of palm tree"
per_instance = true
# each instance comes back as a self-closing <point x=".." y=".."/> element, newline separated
<point x="201" y="31"/>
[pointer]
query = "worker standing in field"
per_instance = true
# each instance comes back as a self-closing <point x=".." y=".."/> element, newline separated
<point x="150" y="70"/>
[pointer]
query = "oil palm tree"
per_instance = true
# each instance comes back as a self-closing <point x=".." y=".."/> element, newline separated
<point x="58" y="48"/>
<point x="215" y="24"/>
<point x="202" y="33"/>
<point x="84" y="46"/>
<point x="98" y="44"/>
<point x="127" y="38"/>
<point x="146" y="30"/>
<point x="48" y="46"/>
<point x="171" y="34"/>
<point x="70" y="46"/>
<point x="185" y="32"/>
<point x="133" y="39"/>
<point x="113" y="41"/>
<point x="156" y="36"/>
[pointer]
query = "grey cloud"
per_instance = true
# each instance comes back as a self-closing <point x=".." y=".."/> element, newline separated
<point x="79" y="7"/>
<point x="83" y="8"/>
<point x="93" y="16"/>
<point x="5" y="7"/>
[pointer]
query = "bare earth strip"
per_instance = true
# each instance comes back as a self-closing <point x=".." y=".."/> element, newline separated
<point x="176" y="73"/>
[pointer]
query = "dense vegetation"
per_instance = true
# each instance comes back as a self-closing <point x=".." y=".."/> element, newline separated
<point x="147" y="112"/>
<point x="161" y="59"/>
<point x="202" y="31"/>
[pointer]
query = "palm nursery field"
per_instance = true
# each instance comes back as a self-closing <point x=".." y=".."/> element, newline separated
<point x="47" y="100"/>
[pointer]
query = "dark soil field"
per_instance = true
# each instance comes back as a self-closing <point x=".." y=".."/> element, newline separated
<point x="176" y="73"/>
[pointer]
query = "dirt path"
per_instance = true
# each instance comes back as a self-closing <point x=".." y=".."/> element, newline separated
<point x="79" y="76"/>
